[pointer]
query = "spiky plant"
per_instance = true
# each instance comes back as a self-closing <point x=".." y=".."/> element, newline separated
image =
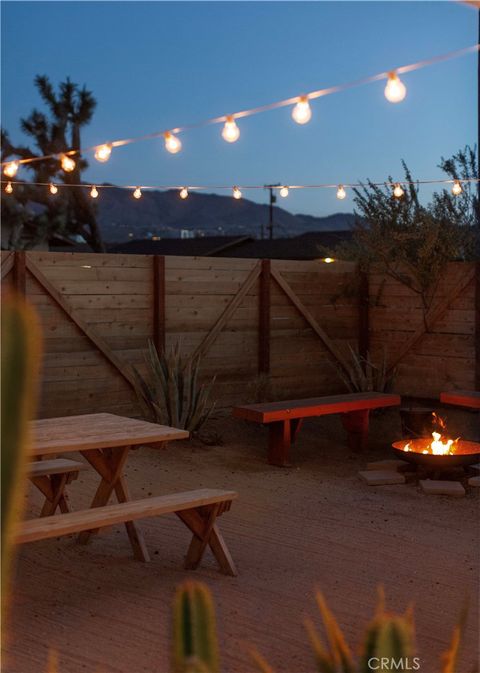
<point x="170" y="393"/>
<point x="364" y="375"/>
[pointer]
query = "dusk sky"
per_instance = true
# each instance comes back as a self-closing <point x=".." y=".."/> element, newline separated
<point x="153" y="66"/>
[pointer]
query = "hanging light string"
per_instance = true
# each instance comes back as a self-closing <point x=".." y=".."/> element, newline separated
<point x="300" y="113"/>
<point x="236" y="190"/>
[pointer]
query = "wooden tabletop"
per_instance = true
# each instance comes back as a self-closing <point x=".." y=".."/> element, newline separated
<point x="462" y="398"/>
<point x="96" y="431"/>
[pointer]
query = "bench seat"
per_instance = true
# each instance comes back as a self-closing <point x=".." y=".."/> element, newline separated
<point x="284" y="418"/>
<point x="462" y="398"/>
<point x="51" y="477"/>
<point x="197" y="509"/>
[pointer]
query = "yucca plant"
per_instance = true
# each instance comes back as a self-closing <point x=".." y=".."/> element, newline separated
<point x="170" y="393"/>
<point x="364" y="375"/>
<point x="389" y="637"/>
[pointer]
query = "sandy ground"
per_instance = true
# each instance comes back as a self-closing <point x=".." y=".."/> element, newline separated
<point x="292" y="530"/>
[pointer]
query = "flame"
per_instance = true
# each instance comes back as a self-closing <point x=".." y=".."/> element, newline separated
<point x="439" y="445"/>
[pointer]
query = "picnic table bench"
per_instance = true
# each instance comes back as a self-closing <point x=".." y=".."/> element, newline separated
<point x="51" y="477"/>
<point x="197" y="509"/>
<point x="284" y="419"/>
<point x="462" y="398"/>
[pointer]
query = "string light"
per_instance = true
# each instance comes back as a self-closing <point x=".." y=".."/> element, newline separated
<point x="284" y="191"/>
<point x="398" y="191"/>
<point x="237" y="194"/>
<point x="341" y="193"/>
<point x="137" y="194"/>
<point x="11" y="169"/>
<point x="68" y="164"/>
<point x="302" y="112"/>
<point x="328" y="260"/>
<point x="184" y="193"/>
<point x="94" y="192"/>
<point x="102" y="153"/>
<point x="9" y="188"/>
<point x="230" y="132"/>
<point x="395" y="91"/>
<point x="457" y="188"/>
<point x="172" y="143"/>
<point x="53" y="188"/>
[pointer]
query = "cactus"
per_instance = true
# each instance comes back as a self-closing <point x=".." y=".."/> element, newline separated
<point x="20" y="360"/>
<point x="171" y="394"/>
<point x="195" y="642"/>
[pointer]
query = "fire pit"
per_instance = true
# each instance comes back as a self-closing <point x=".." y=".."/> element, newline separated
<point x="461" y="453"/>
<point x="438" y="452"/>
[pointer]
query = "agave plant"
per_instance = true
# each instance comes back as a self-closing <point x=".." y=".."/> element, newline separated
<point x="170" y="393"/>
<point x="364" y="375"/>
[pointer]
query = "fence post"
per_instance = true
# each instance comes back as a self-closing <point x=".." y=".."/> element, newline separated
<point x="19" y="272"/>
<point x="159" y="302"/>
<point x="264" y="319"/>
<point x="363" y="313"/>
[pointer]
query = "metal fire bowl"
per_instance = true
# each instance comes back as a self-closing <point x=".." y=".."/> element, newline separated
<point x="466" y="453"/>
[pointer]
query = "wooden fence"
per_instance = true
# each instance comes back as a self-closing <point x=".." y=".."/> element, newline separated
<point x="249" y="319"/>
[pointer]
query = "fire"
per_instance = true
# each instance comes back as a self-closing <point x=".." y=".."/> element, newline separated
<point x="439" y="445"/>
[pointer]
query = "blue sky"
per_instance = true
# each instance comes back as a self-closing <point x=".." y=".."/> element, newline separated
<point x="156" y="65"/>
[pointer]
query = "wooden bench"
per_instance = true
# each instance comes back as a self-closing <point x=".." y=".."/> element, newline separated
<point x="50" y="477"/>
<point x="462" y="398"/>
<point x="197" y="509"/>
<point x="285" y="418"/>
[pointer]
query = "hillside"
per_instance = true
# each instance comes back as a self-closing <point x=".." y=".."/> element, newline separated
<point x="164" y="214"/>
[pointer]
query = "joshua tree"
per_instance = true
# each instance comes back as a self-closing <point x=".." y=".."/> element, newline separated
<point x="70" y="211"/>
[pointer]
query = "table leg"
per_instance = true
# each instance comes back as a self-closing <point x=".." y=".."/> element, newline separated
<point x="356" y="424"/>
<point x="109" y="464"/>
<point x="279" y="441"/>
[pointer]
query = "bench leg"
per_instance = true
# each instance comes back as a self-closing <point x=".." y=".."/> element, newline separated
<point x="356" y="424"/>
<point x="279" y="441"/>
<point x="201" y="522"/>
<point x="53" y="488"/>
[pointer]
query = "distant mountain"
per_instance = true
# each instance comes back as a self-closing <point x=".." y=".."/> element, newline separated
<point x="164" y="214"/>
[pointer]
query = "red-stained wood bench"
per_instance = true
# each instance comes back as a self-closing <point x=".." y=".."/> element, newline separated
<point x="462" y="398"/>
<point x="285" y="418"/>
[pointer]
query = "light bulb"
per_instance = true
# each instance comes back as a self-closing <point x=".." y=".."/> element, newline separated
<point x="284" y="191"/>
<point x="53" y="188"/>
<point x="328" y="260"/>
<point x="172" y="143"/>
<point x="184" y="193"/>
<point x="398" y="191"/>
<point x="237" y="194"/>
<point x="9" y="188"/>
<point x="68" y="163"/>
<point x="341" y="193"/>
<point x="395" y="91"/>
<point x="94" y="192"/>
<point x="103" y="152"/>
<point x="230" y="131"/>
<point x="302" y="112"/>
<point x="10" y="169"/>
<point x="137" y="194"/>
<point x="457" y="188"/>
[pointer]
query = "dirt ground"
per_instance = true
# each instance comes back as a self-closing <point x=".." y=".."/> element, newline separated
<point x="291" y="531"/>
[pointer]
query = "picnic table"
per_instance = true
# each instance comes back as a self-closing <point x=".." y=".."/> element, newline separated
<point x="105" y="441"/>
